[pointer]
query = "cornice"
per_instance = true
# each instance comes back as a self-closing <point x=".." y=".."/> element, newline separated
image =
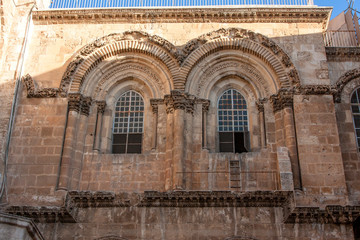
<point x="76" y="200"/>
<point x="186" y="15"/>
<point x="343" y="54"/>
<point x="329" y="215"/>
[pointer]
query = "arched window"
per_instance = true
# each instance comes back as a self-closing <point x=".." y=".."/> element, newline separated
<point x="233" y="122"/>
<point x="128" y="123"/>
<point x="355" y="108"/>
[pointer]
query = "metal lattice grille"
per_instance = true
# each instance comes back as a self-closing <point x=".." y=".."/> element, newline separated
<point x="129" y="113"/>
<point x="232" y="112"/>
<point x="355" y="108"/>
<point x="171" y="3"/>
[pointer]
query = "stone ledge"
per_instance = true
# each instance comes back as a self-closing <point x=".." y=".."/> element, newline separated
<point x="43" y="214"/>
<point x="186" y="15"/>
<point x="342" y="54"/>
<point x="181" y="199"/>
<point x="185" y="199"/>
<point x="329" y="215"/>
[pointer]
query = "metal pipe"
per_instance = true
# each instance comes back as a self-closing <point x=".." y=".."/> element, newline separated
<point x="17" y="77"/>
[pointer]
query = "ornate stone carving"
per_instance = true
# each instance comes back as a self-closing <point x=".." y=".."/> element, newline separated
<point x="205" y="104"/>
<point x="345" y="79"/>
<point x="181" y="199"/>
<point x="284" y="98"/>
<point x="133" y="67"/>
<point x="315" y="90"/>
<point x="33" y="92"/>
<point x="155" y="104"/>
<point x="179" y="100"/>
<point x="79" y="104"/>
<point x="178" y="15"/>
<point x="342" y="54"/>
<point x="44" y="214"/>
<point x="74" y="102"/>
<point x="169" y="52"/>
<point x="101" y="105"/>
<point x="260" y="104"/>
<point x="85" y="105"/>
<point x="329" y="215"/>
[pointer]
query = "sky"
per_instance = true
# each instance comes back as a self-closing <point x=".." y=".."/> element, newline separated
<point x="339" y="5"/>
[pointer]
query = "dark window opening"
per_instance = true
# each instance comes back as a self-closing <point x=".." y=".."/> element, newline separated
<point x="128" y="123"/>
<point x="356" y="227"/>
<point x="233" y="123"/>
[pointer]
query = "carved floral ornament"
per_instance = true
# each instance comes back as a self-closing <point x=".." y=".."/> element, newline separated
<point x="179" y="60"/>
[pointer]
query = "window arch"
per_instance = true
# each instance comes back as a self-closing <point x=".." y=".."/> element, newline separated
<point x="355" y="108"/>
<point x="233" y="122"/>
<point x="128" y="123"/>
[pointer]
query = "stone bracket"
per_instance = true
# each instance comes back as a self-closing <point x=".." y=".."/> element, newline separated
<point x="33" y="92"/>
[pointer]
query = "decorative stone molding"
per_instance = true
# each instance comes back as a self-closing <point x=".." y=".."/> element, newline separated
<point x="179" y="60"/>
<point x="260" y="104"/>
<point x="185" y="15"/>
<point x="284" y="98"/>
<point x="342" y="54"/>
<point x="179" y="100"/>
<point x="43" y="214"/>
<point x="181" y="199"/>
<point x="85" y="105"/>
<point x="155" y="104"/>
<point x="79" y="104"/>
<point x="329" y="215"/>
<point x="33" y="92"/>
<point x="205" y="104"/>
<point x="74" y="102"/>
<point x="101" y="105"/>
<point x="315" y="90"/>
<point x="110" y="46"/>
<point x="249" y="41"/>
<point x="343" y="80"/>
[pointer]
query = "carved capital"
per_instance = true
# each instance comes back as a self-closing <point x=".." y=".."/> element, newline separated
<point x="33" y="92"/>
<point x="101" y="107"/>
<point x="205" y="104"/>
<point x="74" y="102"/>
<point x="260" y="104"/>
<point x="315" y="90"/>
<point x="155" y="104"/>
<point x="284" y="98"/>
<point x="179" y="100"/>
<point x="85" y="105"/>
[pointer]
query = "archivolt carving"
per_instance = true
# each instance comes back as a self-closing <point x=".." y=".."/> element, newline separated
<point x="111" y="45"/>
<point x="345" y="79"/>
<point x="241" y="67"/>
<point x="179" y="61"/>
<point x="247" y="41"/>
<point x="125" y="67"/>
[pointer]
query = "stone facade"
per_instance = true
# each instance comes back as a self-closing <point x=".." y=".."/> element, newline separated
<point x="299" y="178"/>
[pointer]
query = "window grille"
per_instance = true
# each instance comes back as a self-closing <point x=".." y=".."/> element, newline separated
<point x="128" y="123"/>
<point x="233" y="122"/>
<point x="355" y="108"/>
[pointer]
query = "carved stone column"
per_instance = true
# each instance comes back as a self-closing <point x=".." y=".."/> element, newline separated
<point x="155" y="108"/>
<point x="98" y="124"/>
<point x="260" y="107"/>
<point x="285" y="130"/>
<point x="76" y="162"/>
<point x="69" y="140"/>
<point x="177" y="105"/>
<point x="205" y="109"/>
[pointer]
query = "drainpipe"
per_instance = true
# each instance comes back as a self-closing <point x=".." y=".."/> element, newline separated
<point x="17" y="77"/>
